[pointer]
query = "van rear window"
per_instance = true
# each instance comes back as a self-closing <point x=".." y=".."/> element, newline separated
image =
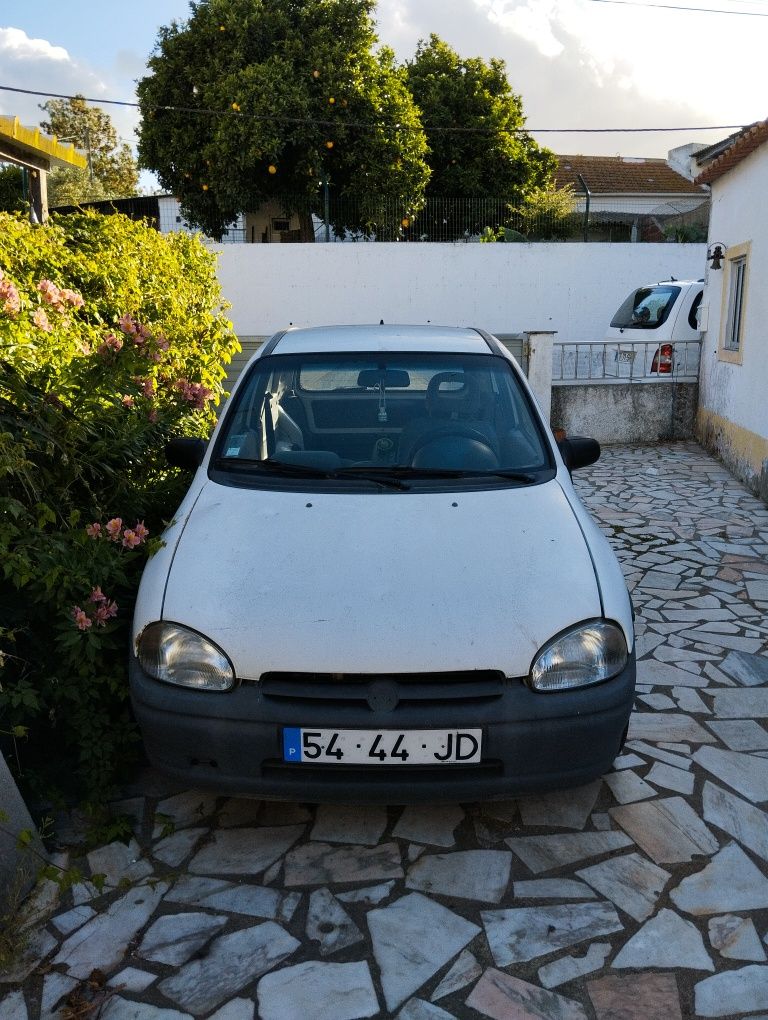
<point x="646" y="308"/>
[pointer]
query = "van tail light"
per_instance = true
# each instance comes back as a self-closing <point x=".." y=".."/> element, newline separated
<point x="662" y="360"/>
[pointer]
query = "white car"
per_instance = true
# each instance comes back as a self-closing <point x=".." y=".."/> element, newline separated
<point x="381" y="583"/>
<point x="654" y="336"/>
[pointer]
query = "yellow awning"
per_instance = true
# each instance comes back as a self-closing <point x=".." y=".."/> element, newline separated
<point x="18" y="140"/>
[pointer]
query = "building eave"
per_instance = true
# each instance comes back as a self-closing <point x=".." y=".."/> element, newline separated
<point x="31" y="147"/>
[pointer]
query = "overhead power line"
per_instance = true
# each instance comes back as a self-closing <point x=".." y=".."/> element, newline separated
<point x="673" y="7"/>
<point x="280" y="119"/>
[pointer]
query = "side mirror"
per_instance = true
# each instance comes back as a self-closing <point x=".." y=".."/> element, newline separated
<point x="186" y="453"/>
<point x="578" y="451"/>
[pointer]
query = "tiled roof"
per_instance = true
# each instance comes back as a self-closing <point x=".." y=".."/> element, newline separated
<point x="623" y="175"/>
<point x="743" y="144"/>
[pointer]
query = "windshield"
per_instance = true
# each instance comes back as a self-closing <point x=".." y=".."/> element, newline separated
<point x="382" y="417"/>
<point x="646" y="308"/>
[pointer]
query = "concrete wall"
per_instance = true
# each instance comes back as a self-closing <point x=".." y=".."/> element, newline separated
<point x="626" y="412"/>
<point x="18" y="866"/>
<point x="573" y="289"/>
<point x="733" y="412"/>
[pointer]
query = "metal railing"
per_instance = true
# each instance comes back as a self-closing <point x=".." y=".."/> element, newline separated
<point x="472" y="219"/>
<point x="638" y="361"/>
<point x="467" y="219"/>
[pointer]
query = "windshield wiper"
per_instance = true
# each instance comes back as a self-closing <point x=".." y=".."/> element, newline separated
<point x="308" y="471"/>
<point x="388" y="475"/>
<point x="289" y="469"/>
<point x="407" y="471"/>
<point x="514" y="476"/>
<point x="374" y="474"/>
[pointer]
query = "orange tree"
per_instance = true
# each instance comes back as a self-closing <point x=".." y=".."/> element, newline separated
<point x="474" y="125"/>
<point x="268" y="99"/>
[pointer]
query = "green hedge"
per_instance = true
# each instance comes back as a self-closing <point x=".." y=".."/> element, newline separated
<point x="112" y="338"/>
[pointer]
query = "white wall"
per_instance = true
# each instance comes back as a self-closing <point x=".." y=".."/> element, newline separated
<point x="733" y="408"/>
<point x="506" y="288"/>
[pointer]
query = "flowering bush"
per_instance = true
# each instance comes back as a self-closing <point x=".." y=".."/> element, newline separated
<point x="112" y="338"/>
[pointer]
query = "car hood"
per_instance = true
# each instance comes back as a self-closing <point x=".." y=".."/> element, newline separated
<point x="381" y="582"/>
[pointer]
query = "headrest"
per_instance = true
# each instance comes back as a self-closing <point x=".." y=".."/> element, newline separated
<point x="453" y="395"/>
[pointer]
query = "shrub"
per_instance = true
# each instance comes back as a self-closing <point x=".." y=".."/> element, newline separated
<point x="112" y="338"/>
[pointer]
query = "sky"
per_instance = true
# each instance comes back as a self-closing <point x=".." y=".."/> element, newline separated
<point x="575" y="63"/>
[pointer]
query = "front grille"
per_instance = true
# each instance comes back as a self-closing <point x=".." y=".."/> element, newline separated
<point x="358" y="688"/>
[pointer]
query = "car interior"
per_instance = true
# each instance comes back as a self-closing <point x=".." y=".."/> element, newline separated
<point x="442" y="415"/>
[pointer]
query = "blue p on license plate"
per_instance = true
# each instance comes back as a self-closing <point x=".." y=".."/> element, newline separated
<point x="382" y="747"/>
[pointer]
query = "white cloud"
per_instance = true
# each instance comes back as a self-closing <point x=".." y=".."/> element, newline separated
<point x="533" y="21"/>
<point x="581" y="64"/>
<point x="15" y="44"/>
<point x="41" y="66"/>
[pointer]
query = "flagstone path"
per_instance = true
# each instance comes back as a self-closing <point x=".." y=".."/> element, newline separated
<point x="642" y="896"/>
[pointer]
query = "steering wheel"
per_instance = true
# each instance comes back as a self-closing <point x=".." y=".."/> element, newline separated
<point x="452" y="431"/>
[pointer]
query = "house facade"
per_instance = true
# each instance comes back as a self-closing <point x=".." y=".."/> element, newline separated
<point x="732" y="419"/>
<point x="655" y="201"/>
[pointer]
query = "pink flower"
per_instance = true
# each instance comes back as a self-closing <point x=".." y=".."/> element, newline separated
<point x="195" y="393"/>
<point x="127" y="324"/>
<point x="143" y="332"/>
<point x="93" y="530"/>
<point x="127" y="400"/>
<point x="70" y="298"/>
<point x="152" y="416"/>
<point x="140" y="530"/>
<point x="81" y="618"/>
<point x="130" y="539"/>
<point x="50" y="292"/>
<point x="110" y="343"/>
<point x="97" y="595"/>
<point x="114" y="527"/>
<point x="162" y="343"/>
<point x="40" y="319"/>
<point x="105" y="612"/>
<point x="147" y="387"/>
<point x="10" y="302"/>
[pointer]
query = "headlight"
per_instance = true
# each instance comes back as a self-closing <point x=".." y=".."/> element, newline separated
<point x="177" y="655"/>
<point x="588" y="654"/>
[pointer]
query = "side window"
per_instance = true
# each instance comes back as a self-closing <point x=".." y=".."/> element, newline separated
<point x="693" y="314"/>
<point x="734" y="303"/>
<point x="737" y="270"/>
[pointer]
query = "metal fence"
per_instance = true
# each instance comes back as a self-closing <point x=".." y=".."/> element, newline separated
<point x="462" y="219"/>
<point x="496" y="219"/>
<point x="640" y="361"/>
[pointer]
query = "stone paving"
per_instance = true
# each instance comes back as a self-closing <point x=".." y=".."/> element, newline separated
<point x="642" y="895"/>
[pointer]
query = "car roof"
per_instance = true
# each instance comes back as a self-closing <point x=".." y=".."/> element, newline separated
<point x="674" y="283"/>
<point x="319" y="339"/>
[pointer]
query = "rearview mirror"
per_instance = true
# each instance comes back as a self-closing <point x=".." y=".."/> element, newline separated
<point x="578" y="451"/>
<point x="393" y="378"/>
<point x="184" y="452"/>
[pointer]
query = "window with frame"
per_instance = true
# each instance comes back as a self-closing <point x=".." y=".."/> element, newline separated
<point x="735" y="309"/>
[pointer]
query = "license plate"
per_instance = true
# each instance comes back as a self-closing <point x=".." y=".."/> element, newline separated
<point x="625" y="355"/>
<point x="382" y="747"/>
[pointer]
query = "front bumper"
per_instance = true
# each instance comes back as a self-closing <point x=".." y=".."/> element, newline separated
<point x="233" y="742"/>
